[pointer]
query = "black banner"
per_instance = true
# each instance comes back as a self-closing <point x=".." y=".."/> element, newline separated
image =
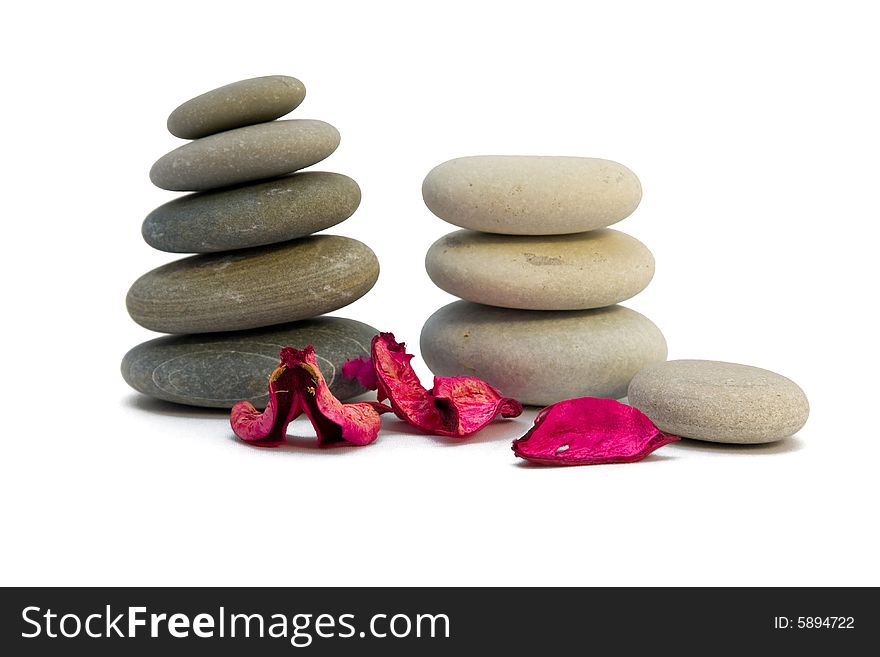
<point x="436" y="621"/>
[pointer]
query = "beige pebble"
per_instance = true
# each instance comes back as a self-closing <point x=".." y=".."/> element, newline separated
<point x="555" y="272"/>
<point x="719" y="402"/>
<point x="541" y="357"/>
<point x="531" y="195"/>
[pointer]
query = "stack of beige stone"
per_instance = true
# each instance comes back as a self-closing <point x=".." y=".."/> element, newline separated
<point x="540" y="276"/>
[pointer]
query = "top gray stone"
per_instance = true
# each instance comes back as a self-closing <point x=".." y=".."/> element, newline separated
<point x="236" y="105"/>
<point x="719" y="402"/>
<point x="251" y="153"/>
<point x="530" y="195"/>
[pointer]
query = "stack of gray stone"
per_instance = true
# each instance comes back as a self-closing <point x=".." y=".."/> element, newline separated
<point x="262" y="278"/>
<point x="540" y="276"/>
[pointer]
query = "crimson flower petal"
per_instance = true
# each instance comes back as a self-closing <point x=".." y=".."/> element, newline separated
<point x="298" y="386"/>
<point x="361" y="369"/>
<point x="356" y="423"/>
<point x="269" y="427"/>
<point x="474" y="402"/>
<point x="590" y="431"/>
<point x="457" y="406"/>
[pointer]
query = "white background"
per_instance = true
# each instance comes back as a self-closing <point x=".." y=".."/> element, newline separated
<point x="753" y="128"/>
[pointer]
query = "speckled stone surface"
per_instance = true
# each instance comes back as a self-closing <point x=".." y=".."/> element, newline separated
<point x="245" y="154"/>
<point x="235" y="105"/>
<point x="219" y="369"/>
<point x="277" y="210"/>
<point x="253" y="287"/>
<point x="530" y="195"/>
<point x="554" y="272"/>
<point x="541" y="357"/>
<point x="719" y="402"/>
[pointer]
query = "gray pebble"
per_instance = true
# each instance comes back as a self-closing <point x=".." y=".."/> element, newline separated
<point x="719" y="402"/>
<point x="541" y="357"/>
<point x="251" y="153"/>
<point x="220" y="369"/>
<point x="277" y="210"/>
<point x="255" y="287"/>
<point x="235" y="105"/>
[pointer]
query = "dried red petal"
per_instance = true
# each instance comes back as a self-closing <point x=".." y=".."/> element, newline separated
<point x="269" y="427"/>
<point x="298" y="386"/>
<point x="457" y="406"/>
<point x="361" y="369"/>
<point x="590" y="431"/>
<point x="474" y="401"/>
<point x="356" y="423"/>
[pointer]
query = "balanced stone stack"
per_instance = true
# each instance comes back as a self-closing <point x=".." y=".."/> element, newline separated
<point x="540" y="276"/>
<point x="262" y="278"/>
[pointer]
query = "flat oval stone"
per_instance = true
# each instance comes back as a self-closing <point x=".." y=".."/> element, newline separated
<point x="235" y="105"/>
<point x="530" y="195"/>
<point x="219" y="369"/>
<point x="277" y="210"/>
<point x="541" y="357"/>
<point x="255" y="287"/>
<point x="251" y="153"/>
<point x="719" y="402"/>
<point x="552" y="272"/>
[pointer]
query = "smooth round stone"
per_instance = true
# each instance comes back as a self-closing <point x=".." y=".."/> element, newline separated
<point x="719" y="402"/>
<point x="251" y="153"/>
<point x="552" y="272"/>
<point x="531" y="195"/>
<point x="541" y="356"/>
<point x="277" y="210"/>
<point x="241" y="103"/>
<point x="219" y="369"/>
<point x="253" y="287"/>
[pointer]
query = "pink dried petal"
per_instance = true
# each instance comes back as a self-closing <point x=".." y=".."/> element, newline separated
<point x="399" y="384"/>
<point x="457" y="406"/>
<point x="361" y="369"/>
<point x="269" y="427"/>
<point x="298" y="386"/>
<point x="474" y="402"/>
<point x="589" y="431"/>
<point x="333" y="421"/>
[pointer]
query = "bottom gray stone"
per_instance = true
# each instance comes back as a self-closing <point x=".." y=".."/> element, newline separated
<point x="219" y="369"/>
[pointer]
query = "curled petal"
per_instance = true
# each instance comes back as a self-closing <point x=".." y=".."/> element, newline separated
<point x="269" y="427"/>
<point x="457" y="406"/>
<point x="473" y="402"/>
<point x="398" y="383"/>
<point x="298" y="386"/>
<point x="361" y="369"/>
<point x="590" y="431"/>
